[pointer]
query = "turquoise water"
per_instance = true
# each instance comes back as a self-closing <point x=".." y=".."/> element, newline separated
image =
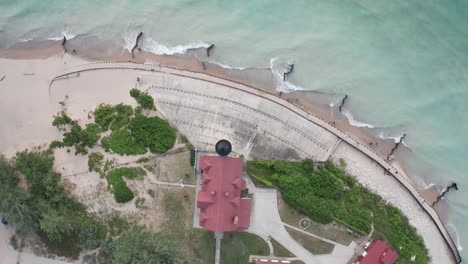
<point x="404" y="64"/>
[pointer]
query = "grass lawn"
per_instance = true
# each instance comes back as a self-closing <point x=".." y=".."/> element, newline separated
<point x="236" y="247"/>
<point x="314" y="245"/>
<point x="336" y="232"/>
<point x="279" y="250"/>
<point x="196" y="245"/>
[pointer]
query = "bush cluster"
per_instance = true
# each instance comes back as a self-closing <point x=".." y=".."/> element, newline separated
<point x="123" y="143"/>
<point x="153" y="133"/>
<point x="113" y="117"/>
<point x="80" y="138"/>
<point x="145" y="100"/>
<point x="95" y="162"/>
<point x="327" y="193"/>
<point x="45" y="207"/>
<point x="117" y="185"/>
<point x="61" y="119"/>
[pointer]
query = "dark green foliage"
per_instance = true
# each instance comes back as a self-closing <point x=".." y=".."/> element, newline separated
<point x="192" y="153"/>
<point x="117" y="184"/>
<point x="61" y="120"/>
<point x="341" y="174"/>
<point x="145" y="100"/>
<point x="95" y="162"/>
<point x="56" y="144"/>
<point x="135" y="93"/>
<point x="13" y="199"/>
<point x="143" y="160"/>
<point x="141" y="247"/>
<point x="138" y="110"/>
<point x="82" y="138"/>
<point x="328" y="193"/>
<point x="104" y="115"/>
<point x="153" y="132"/>
<point x="57" y="218"/>
<point x="121" y="116"/>
<point x="122" y="142"/>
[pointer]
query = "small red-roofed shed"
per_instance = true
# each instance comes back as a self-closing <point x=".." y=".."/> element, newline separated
<point x="221" y="207"/>
<point x="378" y="253"/>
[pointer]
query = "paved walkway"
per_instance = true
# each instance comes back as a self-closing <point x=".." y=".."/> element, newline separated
<point x="266" y="222"/>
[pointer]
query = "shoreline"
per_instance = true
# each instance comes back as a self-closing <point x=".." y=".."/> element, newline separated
<point x="194" y="66"/>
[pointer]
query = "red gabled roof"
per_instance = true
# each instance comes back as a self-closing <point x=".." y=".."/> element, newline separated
<point x="378" y="253"/>
<point x="221" y="207"/>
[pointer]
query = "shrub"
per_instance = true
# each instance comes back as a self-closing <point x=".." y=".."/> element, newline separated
<point x="121" y="116"/>
<point x="122" y="142"/>
<point x="138" y="110"/>
<point x="103" y="116"/>
<point x="142" y="160"/>
<point x="56" y="144"/>
<point x="117" y="185"/>
<point x="192" y="153"/>
<point x="82" y="139"/>
<point x="153" y="132"/>
<point x="61" y="120"/>
<point x="95" y="162"/>
<point x="145" y="100"/>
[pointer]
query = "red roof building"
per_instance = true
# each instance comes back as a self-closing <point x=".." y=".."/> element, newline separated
<point x="378" y="253"/>
<point x="221" y="207"/>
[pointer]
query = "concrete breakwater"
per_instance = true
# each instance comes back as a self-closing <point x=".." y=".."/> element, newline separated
<point x="174" y="97"/>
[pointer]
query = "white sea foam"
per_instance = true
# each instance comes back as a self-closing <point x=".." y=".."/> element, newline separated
<point x="334" y="101"/>
<point x="278" y="68"/>
<point x="157" y="48"/>
<point x="353" y="121"/>
<point x="65" y="33"/>
<point x="26" y="39"/>
<point x="226" y="66"/>
<point x="129" y="40"/>
<point x="395" y="138"/>
<point x="459" y="247"/>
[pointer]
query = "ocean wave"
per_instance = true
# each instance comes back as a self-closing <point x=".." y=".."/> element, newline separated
<point x="129" y="40"/>
<point x="157" y="48"/>
<point x="459" y="247"/>
<point x="226" y="66"/>
<point x="278" y="68"/>
<point x="395" y="138"/>
<point x="65" y="33"/>
<point x="25" y="40"/>
<point x="335" y="100"/>
<point x="353" y="121"/>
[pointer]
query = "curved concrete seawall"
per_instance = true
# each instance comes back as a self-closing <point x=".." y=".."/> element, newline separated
<point x="264" y="125"/>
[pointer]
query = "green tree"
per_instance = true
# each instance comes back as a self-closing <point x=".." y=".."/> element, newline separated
<point x="55" y="225"/>
<point x="142" y="247"/>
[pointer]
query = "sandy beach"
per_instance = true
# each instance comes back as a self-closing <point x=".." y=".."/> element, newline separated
<point x="28" y="103"/>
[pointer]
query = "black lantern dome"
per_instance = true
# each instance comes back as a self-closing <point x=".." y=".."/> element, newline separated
<point x="223" y="147"/>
